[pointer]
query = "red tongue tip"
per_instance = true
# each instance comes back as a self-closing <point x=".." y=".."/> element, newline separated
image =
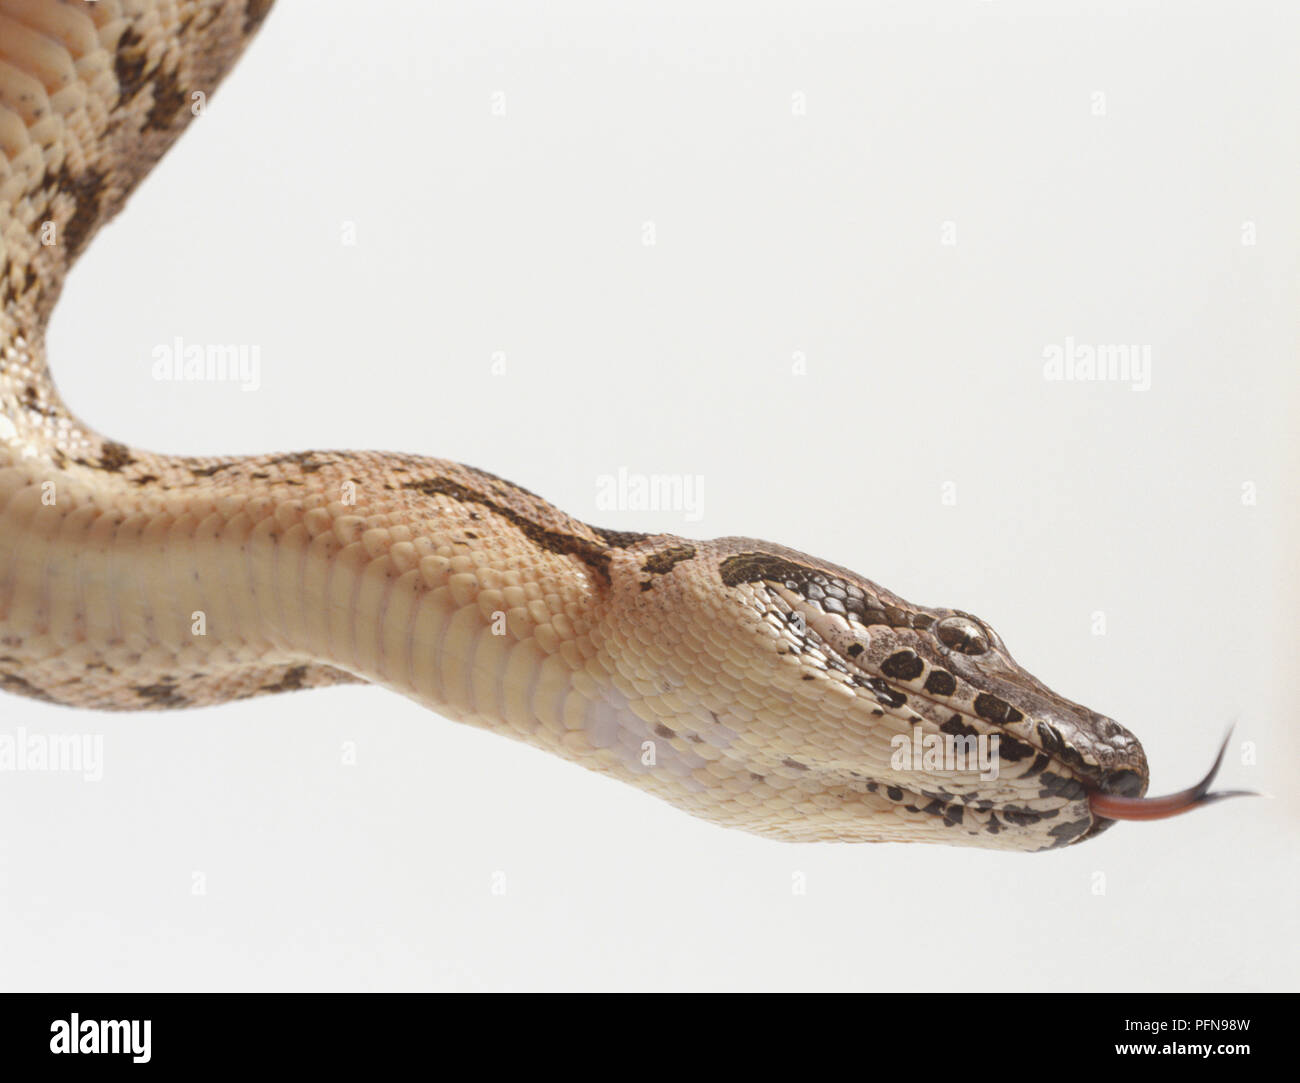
<point x="1111" y="807"/>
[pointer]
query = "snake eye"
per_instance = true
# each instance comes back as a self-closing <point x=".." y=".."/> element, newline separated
<point x="962" y="634"/>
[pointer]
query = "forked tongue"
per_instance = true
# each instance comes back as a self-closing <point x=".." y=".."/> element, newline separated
<point x="1159" y="808"/>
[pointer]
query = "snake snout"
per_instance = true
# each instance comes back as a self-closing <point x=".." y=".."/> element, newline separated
<point x="1121" y="762"/>
<point x="1105" y="758"/>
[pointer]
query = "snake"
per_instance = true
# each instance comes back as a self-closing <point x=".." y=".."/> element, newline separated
<point x="745" y="683"/>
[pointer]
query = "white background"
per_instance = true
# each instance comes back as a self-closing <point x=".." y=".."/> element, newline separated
<point x="776" y="234"/>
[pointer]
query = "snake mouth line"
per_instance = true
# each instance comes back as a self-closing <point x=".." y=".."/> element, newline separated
<point x="1100" y="795"/>
<point x="1111" y="807"/>
<point x="1068" y="822"/>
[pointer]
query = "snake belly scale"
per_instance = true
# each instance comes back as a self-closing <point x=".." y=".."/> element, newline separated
<point x="748" y="684"/>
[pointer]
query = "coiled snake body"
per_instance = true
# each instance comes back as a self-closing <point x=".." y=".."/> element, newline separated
<point x="748" y="684"/>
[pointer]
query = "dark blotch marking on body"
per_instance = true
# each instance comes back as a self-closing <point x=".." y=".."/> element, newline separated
<point x="594" y="554"/>
<point x="254" y="14"/>
<point x="294" y="678"/>
<point x="114" y="456"/>
<point x="618" y="539"/>
<point x="87" y="189"/>
<point x="168" y="102"/>
<point x="129" y="63"/>
<point x="11" y="682"/>
<point x="305" y="460"/>
<point x="787" y="762"/>
<point x="31" y="401"/>
<point x="208" y="471"/>
<point x="663" y="562"/>
<point x="163" y="694"/>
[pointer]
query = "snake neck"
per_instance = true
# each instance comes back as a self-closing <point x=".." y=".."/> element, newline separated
<point x="137" y="580"/>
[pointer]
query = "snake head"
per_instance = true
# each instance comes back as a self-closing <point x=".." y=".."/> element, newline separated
<point x="880" y="720"/>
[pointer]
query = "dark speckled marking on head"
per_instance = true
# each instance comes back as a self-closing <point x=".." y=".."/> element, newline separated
<point x="940" y="683"/>
<point x="1012" y="749"/>
<point x="1040" y="762"/>
<point x="1065" y="833"/>
<point x="1053" y="785"/>
<point x="1026" y="817"/>
<point x="958" y="727"/>
<point x="885" y="693"/>
<point x="992" y="709"/>
<point x="902" y="666"/>
<point x="824" y="586"/>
